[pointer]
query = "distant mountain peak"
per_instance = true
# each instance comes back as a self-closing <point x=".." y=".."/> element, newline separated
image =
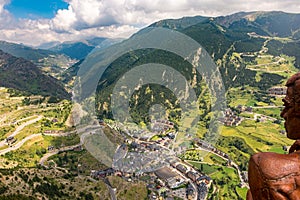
<point x="77" y="49"/>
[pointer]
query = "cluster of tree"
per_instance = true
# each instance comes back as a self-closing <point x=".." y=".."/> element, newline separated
<point x="51" y="190"/>
<point x="277" y="48"/>
<point x="68" y="160"/>
<point x="193" y="155"/>
<point x="27" y="101"/>
<point x="69" y="140"/>
<point x="17" y="93"/>
<point x="141" y="101"/>
<point x="249" y="45"/>
<point x="86" y="196"/>
<point x="16" y="196"/>
<point x="210" y="36"/>
<point x="41" y="151"/>
<point x="236" y="146"/>
<point x="3" y="189"/>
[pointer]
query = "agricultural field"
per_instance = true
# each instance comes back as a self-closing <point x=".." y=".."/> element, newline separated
<point x="27" y="118"/>
<point x="226" y="180"/>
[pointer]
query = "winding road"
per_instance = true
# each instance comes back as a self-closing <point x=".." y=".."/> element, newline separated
<point x="19" y="144"/>
<point x="48" y="155"/>
<point x="243" y="183"/>
<point x="67" y="148"/>
<point x="19" y="128"/>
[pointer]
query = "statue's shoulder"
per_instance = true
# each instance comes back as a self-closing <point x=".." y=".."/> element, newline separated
<point x="273" y="166"/>
<point x="274" y="176"/>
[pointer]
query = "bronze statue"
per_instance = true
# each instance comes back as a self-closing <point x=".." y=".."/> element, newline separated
<point x="275" y="176"/>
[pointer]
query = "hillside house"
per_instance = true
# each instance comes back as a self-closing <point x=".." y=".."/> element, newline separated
<point x="242" y="108"/>
<point x="10" y="140"/>
<point x="277" y="91"/>
<point x="183" y="169"/>
<point x="193" y="176"/>
<point x="50" y="148"/>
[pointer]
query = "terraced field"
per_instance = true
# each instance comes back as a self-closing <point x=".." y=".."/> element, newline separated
<point x="25" y="119"/>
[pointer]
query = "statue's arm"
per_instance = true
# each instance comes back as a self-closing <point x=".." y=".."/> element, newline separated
<point x="295" y="146"/>
<point x="249" y="195"/>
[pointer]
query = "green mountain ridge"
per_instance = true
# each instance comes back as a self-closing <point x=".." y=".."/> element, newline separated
<point x="274" y="23"/>
<point x="179" y="24"/>
<point x="222" y="37"/>
<point x="22" y="51"/>
<point x="23" y="75"/>
<point x="51" y="63"/>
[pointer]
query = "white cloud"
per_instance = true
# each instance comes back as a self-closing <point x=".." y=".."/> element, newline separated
<point x="95" y="13"/>
<point x="63" y="20"/>
<point x="2" y="4"/>
<point x="117" y="18"/>
<point x="82" y="15"/>
<point x="6" y="18"/>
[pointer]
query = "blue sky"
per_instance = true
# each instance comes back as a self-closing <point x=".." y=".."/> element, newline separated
<point x="35" y="9"/>
<point x="34" y="22"/>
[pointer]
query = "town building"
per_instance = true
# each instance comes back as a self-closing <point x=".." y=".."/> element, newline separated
<point x="10" y="140"/>
<point x="183" y="169"/>
<point x="230" y="118"/>
<point x="277" y="91"/>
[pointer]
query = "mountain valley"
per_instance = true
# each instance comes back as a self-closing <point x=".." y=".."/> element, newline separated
<point x="53" y="148"/>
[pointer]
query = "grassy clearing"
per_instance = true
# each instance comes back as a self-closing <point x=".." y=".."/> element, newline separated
<point x="272" y="112"/>
<point x="247" y="115"/>
<point x="241" y="96"/>
<point x="155" y="138"/>
<point x="58" y="142"/>
<point x="278" y="101"/>
<point x="225" y="177"/>
<point x="282" y="65"/>
<point x="259" y="136"/>
<point x="4" y="130"/>
<point x="186" y="126"/>
<point x="29" y="154"/>
<point x="250" y="137"/>
<point x="203" y="156"/>
<point x="205" y="168"/>
<point x="28" y="130"/>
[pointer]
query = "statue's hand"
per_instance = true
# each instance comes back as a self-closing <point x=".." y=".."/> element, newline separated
<point x="295" y="146"/>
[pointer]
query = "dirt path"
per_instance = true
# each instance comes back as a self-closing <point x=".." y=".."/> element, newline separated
<point x="67" y="148"/>
<point x="19" y="144"/>
<point x="19" y="128"/>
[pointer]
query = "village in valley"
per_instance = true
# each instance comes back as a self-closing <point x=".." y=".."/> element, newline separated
<point x="176" y="177"/>
<point x="171" y="176"/>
